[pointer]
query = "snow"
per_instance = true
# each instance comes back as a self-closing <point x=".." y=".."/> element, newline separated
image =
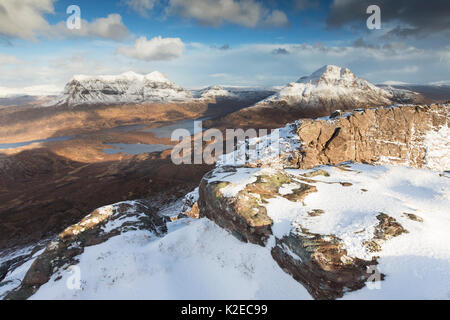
<point x="15" y="277"/>
<point x="267" y="149"/>
<point x="331" y="84"/>
<point x="195" y="260"/>
<point x="128" y="87"/>
<point x="437" y="144"/>
<point x="420" y="257"/>
<point x="199" y="260"/>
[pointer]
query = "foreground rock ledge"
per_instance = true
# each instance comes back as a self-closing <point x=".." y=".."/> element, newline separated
<point x="415" y="136"/>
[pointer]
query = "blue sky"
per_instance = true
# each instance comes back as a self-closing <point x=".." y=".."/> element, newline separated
<point x="234" y="42"/>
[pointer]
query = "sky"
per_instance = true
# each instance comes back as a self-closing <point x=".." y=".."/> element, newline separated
<point x="197" y="43"/>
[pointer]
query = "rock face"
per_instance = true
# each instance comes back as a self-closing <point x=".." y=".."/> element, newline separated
<point x="98" y="227"/>
<point x="416" y="136"/>
<point x="214" y="93"/>
<point x="264" y="203"/>
<point x="128" y="87"/>
<point x="319" y="261"/>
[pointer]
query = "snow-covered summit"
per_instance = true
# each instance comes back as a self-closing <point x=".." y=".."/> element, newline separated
<point x="232" y="92"/>
<point x="128" y="87"/>
<point x="332" y="85"/>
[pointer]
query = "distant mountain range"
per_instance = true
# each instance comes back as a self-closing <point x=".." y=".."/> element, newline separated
<point x="330" y="87"/>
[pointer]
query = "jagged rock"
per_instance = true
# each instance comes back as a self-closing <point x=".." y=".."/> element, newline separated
<point x="386" y="229"/>
<point x="97" y="227"/>
<point x="316" y="212"/>
<point x="384" y="135"/>
<point x="244" y="215"/>
<point x="321" y="264"/>
<point x="194" y="212"/>
<point x="413" y="217"/>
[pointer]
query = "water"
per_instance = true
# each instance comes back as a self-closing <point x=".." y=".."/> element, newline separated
<point x="166" y="131"/>
<point x="26" y="143"/>
<point x="136" y="148"/>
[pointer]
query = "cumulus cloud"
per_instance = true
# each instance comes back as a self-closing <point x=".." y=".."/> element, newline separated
<point x="413" y="17"/>
<point x="110" y="27"/>
<point x="141" y="6"/>
<point x="248" y="13"/>
<point x="157" y="48"/>
<point x="24" y="18"/>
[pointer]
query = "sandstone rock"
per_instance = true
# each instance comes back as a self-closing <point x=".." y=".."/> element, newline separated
<point x="386" y="229"/>
<point x="98" y="227"/>
<point x="413" y="217"/>
<point x="245" y="215"/>
<point x="321" y="264"/>
<point x="383" y="135"/>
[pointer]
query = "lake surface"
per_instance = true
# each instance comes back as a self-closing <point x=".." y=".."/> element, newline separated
<point x="136" y="148"/>
<point x="166" y="131"/>
<point x="26" y="143"/>
<point x="192" y="125"/>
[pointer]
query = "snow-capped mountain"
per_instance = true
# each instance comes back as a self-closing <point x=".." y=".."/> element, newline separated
<point x="128" y="87"/>
<point x="333" y="86"/>
<point x="231" y="92"/>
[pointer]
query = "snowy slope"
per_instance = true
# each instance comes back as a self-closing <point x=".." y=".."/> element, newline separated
<point x="196" y="259"/>
<point x="127" y="87"/>
<point x="332" y="86"/>
<point x="231" y="92"/>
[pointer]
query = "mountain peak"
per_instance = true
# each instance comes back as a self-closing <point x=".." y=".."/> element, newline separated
<point x="329" y="74"/>
<point x="127" y="87"/>
<point x="157" y="77"/>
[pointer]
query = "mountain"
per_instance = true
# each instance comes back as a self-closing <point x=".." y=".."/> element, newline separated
<point x="214" y="93"/>
<point x="128" y="87"/>
<point x="336" y="87"/>
<point x="326" y="209"/>
<point x="328" y="89"/>
<point x="439" y="91"/>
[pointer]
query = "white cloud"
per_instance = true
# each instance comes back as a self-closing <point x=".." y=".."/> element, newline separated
<point x="110" y="27"/>
<point x="248" y="13"/>
<point x="276" y="18"/>
<point x="157" y="48"/>
<point x="5" y="59"/>
<point x="24" y="18"/>
<point x="250" y="64"/>
<point x="141" y="6"/>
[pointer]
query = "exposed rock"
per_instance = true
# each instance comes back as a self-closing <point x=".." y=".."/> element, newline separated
<point x="194" y="212"/>
<point x="245" y="215"/>
<point x="386" y="229"/>
<point x="384" y="135"/>
<point x="316" y="173"/>
<point x="97" y="227"/>
<point x="321" y="264"/>
<point x="413" y="217"/>
<point x="316" y="212"/>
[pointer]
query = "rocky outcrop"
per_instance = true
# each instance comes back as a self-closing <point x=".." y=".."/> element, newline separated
<point x="240" y="199"/>
<point x="320" y="262"/>
<point x="404" y="135"/>
<point x="101" y="225"/>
